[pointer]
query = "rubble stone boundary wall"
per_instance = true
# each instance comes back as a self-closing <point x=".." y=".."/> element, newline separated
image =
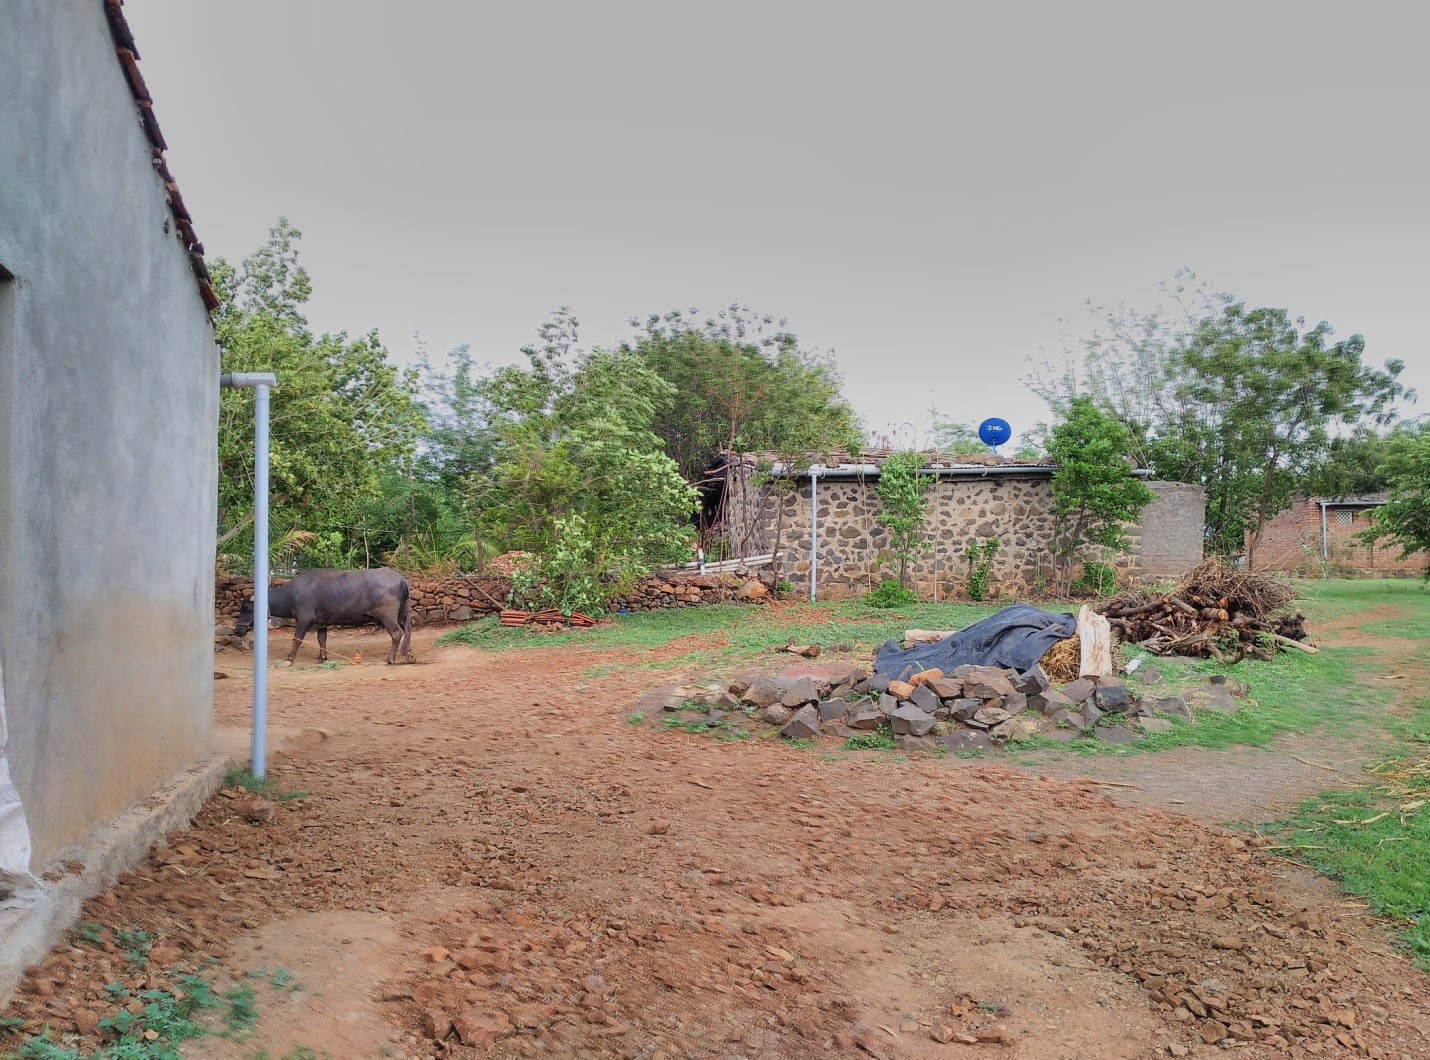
<point x="460" y="599"/>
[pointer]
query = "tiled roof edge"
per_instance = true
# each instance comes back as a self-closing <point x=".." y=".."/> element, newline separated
<point x="128" y="55"/>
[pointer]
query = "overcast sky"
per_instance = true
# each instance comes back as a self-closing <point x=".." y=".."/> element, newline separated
<point x="925" y="190"/>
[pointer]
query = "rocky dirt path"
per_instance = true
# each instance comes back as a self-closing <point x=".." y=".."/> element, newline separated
<point x="1250" y="785"/>
<point x="493" y="862"/>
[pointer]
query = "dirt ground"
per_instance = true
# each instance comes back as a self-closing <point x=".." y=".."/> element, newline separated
<point x="489" y="853"/>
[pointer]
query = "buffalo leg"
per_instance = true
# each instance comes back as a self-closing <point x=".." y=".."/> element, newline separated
<point x="299" y="632"/>
<point x="395" y="632"/>
<point x="322" y="644"/>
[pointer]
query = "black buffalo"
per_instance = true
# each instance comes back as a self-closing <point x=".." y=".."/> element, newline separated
<point x="323" y="598"/>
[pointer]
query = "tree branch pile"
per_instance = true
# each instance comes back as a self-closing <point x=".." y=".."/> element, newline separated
<point x="1215" y="610"/>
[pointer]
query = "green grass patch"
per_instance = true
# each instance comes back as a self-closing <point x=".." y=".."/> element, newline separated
<point x="168" y="1018"/>
<point x="266" y="786"/>
<point x="746" y="633"/>
<point x="870" y="741"/>
<point x="1376" y="843"/>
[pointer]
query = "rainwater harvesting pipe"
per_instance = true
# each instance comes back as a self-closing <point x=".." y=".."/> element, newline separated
<point x="260" y="383"/>
<point x="814" y="471"/>
<point x="1325" y="541"/>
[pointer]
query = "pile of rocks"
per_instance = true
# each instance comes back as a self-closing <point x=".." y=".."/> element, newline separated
<point x="972" y="708"/>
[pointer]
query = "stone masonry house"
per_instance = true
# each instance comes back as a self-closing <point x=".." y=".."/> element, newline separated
<point x="108" y="463"/>
<point x="1319" y="534"/>
<point x="830" y="521"/>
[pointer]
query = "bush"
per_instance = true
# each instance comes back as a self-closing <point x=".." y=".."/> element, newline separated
<point x="1097" y="579"/>
<point x="980" y="566"/>
<point x="890" y="593"/>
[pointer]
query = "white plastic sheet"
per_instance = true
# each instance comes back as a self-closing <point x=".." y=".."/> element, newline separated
<point x="14" y="831"/>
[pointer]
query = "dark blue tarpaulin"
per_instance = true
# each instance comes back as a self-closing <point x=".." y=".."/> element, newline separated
<point x="1016" y="637"/>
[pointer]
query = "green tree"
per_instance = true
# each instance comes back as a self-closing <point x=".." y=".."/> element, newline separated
<point x="1094" y="491"/>
<point x="1130" y="363"/>
<point x="1404" y="520"/>
<point x="1354" y="464"/>
<point x="740" y="382"/>
<point x="340" y="415"/>
<point x="1262" y="396"/>
<point x="903" y="491"/>
<point x="460" y="438"/>
<point x="579" y="478"/>
<point x="1244" y="401"/>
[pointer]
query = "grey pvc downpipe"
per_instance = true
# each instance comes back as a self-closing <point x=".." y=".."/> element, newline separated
<point x="260" y="383"/>
<point x="1325" y="541"/>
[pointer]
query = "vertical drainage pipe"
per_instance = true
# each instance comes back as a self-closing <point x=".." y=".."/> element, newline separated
<point x="1325" y="542"/>
<point x="260" y="383"/>
<point x="813" y="531"/>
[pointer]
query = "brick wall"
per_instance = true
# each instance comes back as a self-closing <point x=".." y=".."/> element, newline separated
<point x="1292" y="542"/>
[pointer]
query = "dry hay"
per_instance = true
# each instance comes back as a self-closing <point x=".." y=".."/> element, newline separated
<point x="1063" y="661"/>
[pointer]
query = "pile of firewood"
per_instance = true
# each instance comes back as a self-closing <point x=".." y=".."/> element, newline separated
<point x="546" y="618"/>
<point x="1215" y="610"/>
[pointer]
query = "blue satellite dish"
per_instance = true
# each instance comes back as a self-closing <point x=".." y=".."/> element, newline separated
<point x="994" y="432"/>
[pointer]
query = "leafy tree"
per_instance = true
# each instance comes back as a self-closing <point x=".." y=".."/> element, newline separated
<point x="740" y="382"/>
<point x="579" y="478"/>
<point x="1354" y="464"/>
<point x="1262" y="397"/>
<point x="459" y="439"/>
<point x="341" y="413"/>
<point x="1129" y="365"/>
<point x="1404" y="520"/>
<point x="903" y="491"/>
<point x="1244" y="401"/>
<point x="1094" y="491"/>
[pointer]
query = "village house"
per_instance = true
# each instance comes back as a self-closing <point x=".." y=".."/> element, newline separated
<point x="828" y="522"/>
<point x="1321" y="535"/>
<point x="108" y="473"/>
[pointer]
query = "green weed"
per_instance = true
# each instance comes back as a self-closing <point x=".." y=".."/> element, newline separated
<point x="636" y="718"/>
<point x="871" y="741"/>
<point x="241" y="1014"/>
<point x="89" y="932"/>
<point x="266" y="786"/>
<point x="135" y="945"/>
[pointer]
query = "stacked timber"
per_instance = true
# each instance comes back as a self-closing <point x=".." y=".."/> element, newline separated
<point x="1216" y="610"/>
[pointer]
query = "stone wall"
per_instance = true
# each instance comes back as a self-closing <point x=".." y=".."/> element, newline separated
<point x="854" y="548"/>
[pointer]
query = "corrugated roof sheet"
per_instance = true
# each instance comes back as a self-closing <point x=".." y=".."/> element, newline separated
<point x="933" y="460"/>
<point x="128" y="55"/>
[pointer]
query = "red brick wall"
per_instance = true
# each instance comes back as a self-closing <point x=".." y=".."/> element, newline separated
<point x="1292" y="542"/>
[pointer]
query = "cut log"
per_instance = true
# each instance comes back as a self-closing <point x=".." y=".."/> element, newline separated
<point x="926" y="636"/>
<point x="1309" y="649"/>
<point x="1095" y="637"/>
<point x="1182" y="606"/>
